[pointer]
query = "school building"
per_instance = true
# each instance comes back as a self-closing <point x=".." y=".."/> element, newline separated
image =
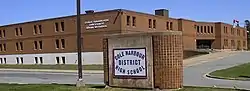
<point x="53" y="41"/>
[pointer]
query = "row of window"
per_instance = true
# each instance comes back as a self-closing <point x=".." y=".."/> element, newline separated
<point x="225" y="29"/>
<point x="38" y="45"/>
<point x="204" y="29"/>
<point x="37" y="29"/>
<point x="233" y="43"/>
<point x="151" y="23"/>
<point x="2" y="33"/>
<point x="37" y="60"/>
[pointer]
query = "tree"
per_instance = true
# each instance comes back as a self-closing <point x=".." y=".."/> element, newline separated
<point x="247" y="25"/>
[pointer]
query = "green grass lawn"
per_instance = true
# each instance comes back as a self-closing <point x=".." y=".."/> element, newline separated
<point x="240" y="71"/>
<point x="54" y="87"/>
<point x="58" y="67"/>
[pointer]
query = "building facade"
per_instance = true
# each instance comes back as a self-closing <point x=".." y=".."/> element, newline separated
<point x="53" y="41"/>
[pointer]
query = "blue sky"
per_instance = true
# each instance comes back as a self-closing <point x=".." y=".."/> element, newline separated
<point x="16" y="11"/>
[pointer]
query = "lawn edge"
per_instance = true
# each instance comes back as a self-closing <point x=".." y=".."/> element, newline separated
<point x="53" y="70"/>
<point x="226" y="78"/>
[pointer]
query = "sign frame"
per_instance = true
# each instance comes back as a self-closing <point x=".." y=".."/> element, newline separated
<point x="129" y="76"/>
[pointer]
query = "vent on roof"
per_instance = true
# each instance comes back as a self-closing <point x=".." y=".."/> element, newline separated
<point x="162" y="12"/>
<point x="89" y="11"/>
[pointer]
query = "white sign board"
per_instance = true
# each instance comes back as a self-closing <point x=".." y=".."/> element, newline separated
<point x="95" y="24"/>
<point x="129" y="62"/>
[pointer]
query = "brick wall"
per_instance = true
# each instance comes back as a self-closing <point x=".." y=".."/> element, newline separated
<point x="168" y="63"/>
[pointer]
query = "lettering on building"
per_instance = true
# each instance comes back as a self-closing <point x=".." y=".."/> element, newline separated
<point x="96" y="24"/>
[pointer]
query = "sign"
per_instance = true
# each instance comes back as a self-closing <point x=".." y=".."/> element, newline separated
<point x="95" y="24"/>
<point x="130" y="62"/>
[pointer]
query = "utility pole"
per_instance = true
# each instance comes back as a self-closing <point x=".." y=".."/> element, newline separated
<point x="80" y="81"/>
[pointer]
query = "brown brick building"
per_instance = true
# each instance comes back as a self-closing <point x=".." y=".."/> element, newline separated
<point x="53" y="41"/>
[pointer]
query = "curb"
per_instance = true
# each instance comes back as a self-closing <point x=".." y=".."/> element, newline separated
<point x="56" y="71"/>
<point x="227" y="78"/>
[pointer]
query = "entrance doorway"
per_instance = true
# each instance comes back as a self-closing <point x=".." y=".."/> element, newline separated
<point x="204" y="44"/>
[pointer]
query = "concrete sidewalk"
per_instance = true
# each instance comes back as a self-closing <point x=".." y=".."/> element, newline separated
<point x="209" y="57"/>
<point x="59" y="71"/>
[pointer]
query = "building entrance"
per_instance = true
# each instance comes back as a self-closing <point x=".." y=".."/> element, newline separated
<point x="204" y="44"/>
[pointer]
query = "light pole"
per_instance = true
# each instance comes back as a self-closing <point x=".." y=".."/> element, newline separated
<point x="80" y="81"/>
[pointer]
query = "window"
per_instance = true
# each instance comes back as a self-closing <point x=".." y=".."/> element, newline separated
<point x="244" y="43"/>
<point x="239" y="43"/>
<point x="62" y="26"/>
<point x="4" y="33"/>
<point x="21" y="60"/>
<point x="208" y="29"/>
<point x="201" y="29"/>
<point x="21" y="31"/>
<point x="239" y="32"/>
<point x="226" y="30"/>
<point x="149" y="23"/>
<point x="41" y="44"/>
<point x="17" y="47"/>
<point x="1" y="47"/>
<point x="56" y="27"/>
<point x="21" y="46"/>
<point x="167" y="25"/>
<point x="57" y="43"/>
<point x="232" y="43"/>
<point x="16" y="32"/>
<point x="40" y="29"/>
<point x="63" y="60"/>
<point x="4" y="47"/>
<point x="41" y="60"/>
<point x="154" y="24"/>
<point x="205" y="29"/>
<point x="212" y="29"/>
<point x="35" y="45"/>
<point x="17" y="60"/>
<point x="57" y="60"/>
<point x="128" y="20"/>
<point x="63" y="43"/>
<point x="134" y="21"/>
<point x="243" y="32"/>
<point x="36" y="60"/>
<point x="198" y="29"/>
<point x="171" y="25"/>
<point x="1" y="34"/>
<point x="35" y="29"/>
<point x="5" y="60"/>
<point x="232" y="32"/>
<point x="225" y="42"/>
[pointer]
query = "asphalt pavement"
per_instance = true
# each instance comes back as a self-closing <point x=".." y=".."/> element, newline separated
<point x="194" y="75"/>
<point x="22" y="77"/>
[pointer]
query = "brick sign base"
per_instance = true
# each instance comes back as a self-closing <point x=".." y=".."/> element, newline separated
<point x="164" y="59"/>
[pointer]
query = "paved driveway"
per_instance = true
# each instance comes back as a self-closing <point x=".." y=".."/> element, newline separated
<point x="47" y="77"/>
<point x="195" y="75"/>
